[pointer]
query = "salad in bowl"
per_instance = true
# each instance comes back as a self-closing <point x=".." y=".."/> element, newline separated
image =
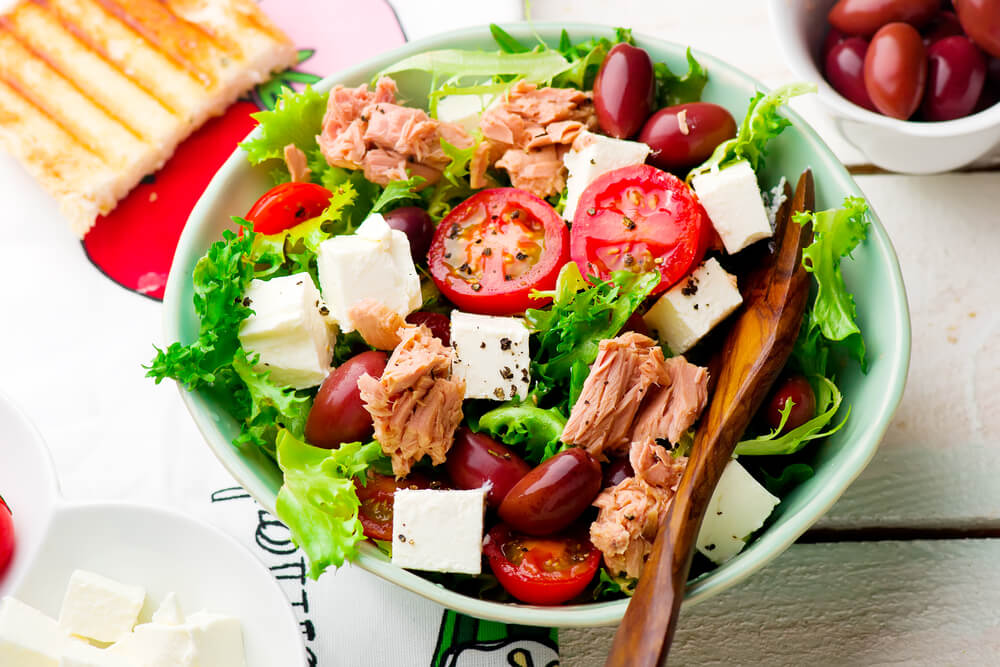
<point x="463" y="337"/>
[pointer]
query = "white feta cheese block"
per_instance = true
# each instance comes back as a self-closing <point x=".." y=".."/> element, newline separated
<point x="78" y="653"/>
<point x="218" y="639"/>
<point x="739" y="506"/>
<point x="28" y="638"/>
<point x="491" y="355"/>
<point x="464" y="109"/>
<point x="599" y="155"/>
<point x="438" y="530"/>
<point x="692" y="307"/>
<point x="731" y="198"/>
<point x="96" y="607"/>
<point x="157" y="645"/>
<point x="288" y="330"/>
<point x="374" y="263"/>
<point x="169" y="611"/>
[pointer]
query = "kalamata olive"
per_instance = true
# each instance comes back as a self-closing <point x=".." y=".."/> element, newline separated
<point x="863" y="18"/>
<point x="845" y="70"/>
<point x="338" y="414"/>
<point x="418" y="227"/>
<point x="438" y="323"/>
<point x="896" y="70"/>
<point x="637" y="324"/>
<point x="554" y="494"/>
<point x="684" y="135"/>
<point x="833" y="37"/>
<point x="476" y="459"/>
<point x="981" y="21"/>
<point x="797" y="388"/>
<point x="616" y="472"/>
<point x="956" y="72"/>
<point x="623" y="90"/>
<point x="945" y="24"/>
<point x="993" y="70"/>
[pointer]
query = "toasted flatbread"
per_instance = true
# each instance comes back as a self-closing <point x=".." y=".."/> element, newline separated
<point x="96" y="94"/>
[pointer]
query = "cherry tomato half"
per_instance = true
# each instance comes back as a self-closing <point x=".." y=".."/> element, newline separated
<point x="541" y="570"/>
<point x="286" y="205"/>
<point x="639" y="219"/>
<point x="376" y="496"/>
<point x="6" y="535"/>
<point x="494" y="248"/>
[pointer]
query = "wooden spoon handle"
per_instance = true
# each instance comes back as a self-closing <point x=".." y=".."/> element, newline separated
<point x="755" y="351"/>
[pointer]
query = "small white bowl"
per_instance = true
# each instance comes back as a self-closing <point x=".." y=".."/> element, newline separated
<point x="161" y="550"/>
<point x="908" y="147"/>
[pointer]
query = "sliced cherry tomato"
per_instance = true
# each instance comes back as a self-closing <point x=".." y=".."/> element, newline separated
<point x="494" y="248"/>
<point x="286" y="205"/>
<point x="376" y="496"/>
<point x="6" y="535"/>
<point x="639" y="219"/>
<point x="541" y="570"/>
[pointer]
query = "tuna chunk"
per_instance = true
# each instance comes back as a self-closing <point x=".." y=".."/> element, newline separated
<point x="378" y="324"/>
<point x="601" y="419"/>
<point x="415" y="405"/>
<point x="674" y="404"/>
<point x="295" y="160"/>
<point x="539" y="171"/>
<point x="627" y="522"/>
<point x="655" y="465"/>
<point x="548" y="105"/>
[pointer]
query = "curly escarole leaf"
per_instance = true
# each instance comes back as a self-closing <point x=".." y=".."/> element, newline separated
<point x="828" y="400"/>
<point x="296" y="119"/>
<point x="318" y="501"/>
<point x="761" y="124"/>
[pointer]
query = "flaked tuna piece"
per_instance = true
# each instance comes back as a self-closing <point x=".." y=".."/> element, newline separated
<point x="563" y="132"/>
<point x="627" y="522"/>
<point x="415" y="405"/>
<point x="401" y="129"/>
<point x="655" y="465"/>
<point x="502" y="126"/>
<point x="538" y="171"/>
<point x="486" y="153"/>
<point x="347" y="148"/>
<point x="345" y="105"/>
<point x="383" y="167"/>
<point x="378" y="324"/>
<point x="674" y="404"/>
<point x="548" y="105"/>
<point x="601" y="419"/>
<point x="295" y="160"/>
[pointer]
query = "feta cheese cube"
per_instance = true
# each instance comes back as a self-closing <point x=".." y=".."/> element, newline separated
<point x="288" y="330"/>
<point x="96" y="607"/>
<point x="28" y="638"/>
<point x="598" y="155"/>
<point x="731" y="198"/>
<point x="218" y="639"/>
<point x="692" y="307"/>
<point x="374" y="263"/>
<point x="464" y="109"/>
<point x="156" y="645"/>
<point x="739" y="506"/>
<point x="169" y="611"/>
<point x="78" y="653"/>
<point x="436" y="530"/>
<point x="491" y="355"/>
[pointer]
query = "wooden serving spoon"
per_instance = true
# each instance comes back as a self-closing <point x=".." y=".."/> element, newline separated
<point x="755" y="351"/>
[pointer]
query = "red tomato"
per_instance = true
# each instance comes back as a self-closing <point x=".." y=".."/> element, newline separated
<point x="286" y="205"/>
<point x="639" y="219"/>
<point x="6" y="535"/>
<point x="494" y="248"/>
<point x="541" y="570"/>
<point x="376" y="497"/>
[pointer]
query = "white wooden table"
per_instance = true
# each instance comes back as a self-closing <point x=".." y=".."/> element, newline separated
<point x="905" y="569"/>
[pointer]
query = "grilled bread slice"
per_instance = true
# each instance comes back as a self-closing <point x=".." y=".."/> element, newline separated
<point x="96" y="94"/>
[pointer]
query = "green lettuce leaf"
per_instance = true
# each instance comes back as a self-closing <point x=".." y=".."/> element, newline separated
<point x="534" y="430"/>
<point x="318" y="501"/>
<point x="448" y="66"/>
<point x="271" y="407"/>
<point x="790" y="477"/>
<point x="672" y="89"/>
<point x="398" y="192"/>
<point x="761" y="124"/>
<point x="828" y="400"/>
<point x="454" y="184"/>
<point x="297" y="119"/>
<point x="611" y="588"/>
<point x="837" y="232"/>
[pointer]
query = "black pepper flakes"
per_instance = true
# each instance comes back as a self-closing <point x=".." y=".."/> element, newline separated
<point x="628" y="259"/>
<point x="498" y="392"/>
<point x="475" y="287"/>
<point x="482" y="346"/>
<point x="506" y="373"/>
<point x="402" y="538"/>
<point x="324" y="311"/>
<point x="465" y="268"/>
<point x="247" y="301"/>
<point x="453" y="231"/>
<point x="487" y="252"/>
<point x="524" y="375"/>
<point x="505" y="343"/>
<point x="520" y="256"/>
<point x="690" y="287"/>
<point x="515" y="215"/>
<point x="709" y="547"/>
<point x="628" y="222"/>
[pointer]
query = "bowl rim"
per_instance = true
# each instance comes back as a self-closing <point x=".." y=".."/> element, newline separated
<point x="802" y="64"/>
<point x="766" y="546"/>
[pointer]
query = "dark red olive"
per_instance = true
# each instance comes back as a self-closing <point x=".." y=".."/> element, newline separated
<point x="624" y="90"/>
<point x="416" y="223"/>
<point x="476" y="459"/>
<point x="981" y="21"/>
<point x="956" y="73"/>
<point x="896" y="70"/>
<point x="945" y="24"/>
<point x="863" y="18"/>
<point x="685" y="135"/>
<point x="338" y="414"/>
<point x="798" y="389"/>
<point x="438" y="323"/>
<point x="833" y="37"/>
<point x="845" y="70"/>
<point x="554" y="494"/>
<point x="616" y="472"/>
<point x="637" y="324"/>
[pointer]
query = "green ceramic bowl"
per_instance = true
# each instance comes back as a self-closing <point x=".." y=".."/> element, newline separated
<point x="873" y="275"/>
